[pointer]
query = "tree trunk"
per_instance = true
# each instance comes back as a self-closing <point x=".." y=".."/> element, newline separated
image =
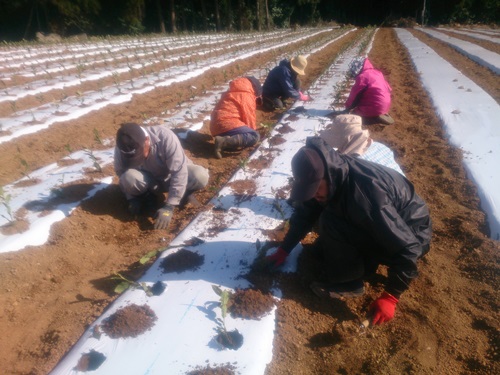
<point x="229" y="16"/>
<point x="258" y="15"/>
<point x="172" y="16"/>
<point x="217" y="15"/>
<point x="268" y="23"/>
<point x="204" y="15"/>
<point x="241" y="11"/>
<point x="163" y="30"/>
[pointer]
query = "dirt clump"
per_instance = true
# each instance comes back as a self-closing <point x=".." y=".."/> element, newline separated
<point x="182" y="260"/>
<point x="129" y="321"/>
<point x="250" y="304"/>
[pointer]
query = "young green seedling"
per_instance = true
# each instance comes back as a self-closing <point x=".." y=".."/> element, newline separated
<point x="5" y="200"/>
<point x="224" y="296"/>
<point x="127" y="283"/>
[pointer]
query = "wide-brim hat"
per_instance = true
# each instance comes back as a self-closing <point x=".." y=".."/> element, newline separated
<point x="308" y="170"/>
<point x="347" y="135"/>
<point x="130" y="140"/>
<point x="298" y="64"/>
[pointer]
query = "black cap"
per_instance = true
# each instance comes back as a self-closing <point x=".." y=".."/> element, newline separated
<point x="308" y="170"/>
<point x="130" y="140"/>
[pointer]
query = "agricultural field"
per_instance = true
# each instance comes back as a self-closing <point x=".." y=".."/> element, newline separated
<point x="67" y="239"/>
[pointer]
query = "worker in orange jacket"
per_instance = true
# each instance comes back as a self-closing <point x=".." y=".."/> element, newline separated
<point x="233" y="120"/>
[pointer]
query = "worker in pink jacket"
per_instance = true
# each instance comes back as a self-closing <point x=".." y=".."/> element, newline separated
<point x="370" y="97"/>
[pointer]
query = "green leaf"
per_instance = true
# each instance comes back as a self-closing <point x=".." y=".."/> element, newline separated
<point x="146" y="258"/>
<point x="123" y="286"/>
<point x="217" y="290"/>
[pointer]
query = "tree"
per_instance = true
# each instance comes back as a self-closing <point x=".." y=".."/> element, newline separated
<point x="173" y="27"/>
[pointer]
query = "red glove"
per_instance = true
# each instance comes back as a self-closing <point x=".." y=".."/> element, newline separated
<point x="303" y="97"/>
<point x="275" y="260"/>
<point x="382" y="310"/>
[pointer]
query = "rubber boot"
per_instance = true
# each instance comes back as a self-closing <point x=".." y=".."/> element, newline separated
<point x="190" y="199"/>
<point x="227" y="143"/>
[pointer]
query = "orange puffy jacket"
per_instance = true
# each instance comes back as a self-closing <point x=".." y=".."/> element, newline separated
<point x="236" y="108"/>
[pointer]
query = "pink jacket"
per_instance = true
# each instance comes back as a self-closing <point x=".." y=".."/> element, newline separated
<point x="371" y="93"/>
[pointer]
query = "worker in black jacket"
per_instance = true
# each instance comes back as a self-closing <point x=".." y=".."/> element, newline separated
<point x="367" y="215"/>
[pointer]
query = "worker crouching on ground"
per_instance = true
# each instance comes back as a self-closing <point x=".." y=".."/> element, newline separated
<point x="233" y="120"/>
<point x="283" y="83"/>
<point x="151" y="161"/>
<point x="367" y="215"/>
<point x="370" y="96"/>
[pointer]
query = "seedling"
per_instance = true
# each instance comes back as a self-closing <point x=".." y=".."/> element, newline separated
<point x="13" y="106"/>
<point x="97" y="137"/>
<point x="243" y="163"/>
<point x="25" y="173"/>
<point x="96" y="164"/>
<point x="277" y="205"/>
<point x="69" y="149"/>
<point x="5" y="200"/>
<point x="127" y="283"/>
<point x="224" y="296"/>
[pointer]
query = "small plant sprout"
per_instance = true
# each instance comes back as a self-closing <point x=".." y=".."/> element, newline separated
<point x="277" y="206"/>
<point x="243" y="163"/>
<point x="96" y="164"/>
<point x="5" y="201"/>
<point x="127" y="283"/>
<point x="69" y="149"/>
<point x="25" y="173"/>
<point x="97" y="137"/>
<point x="13" y="106"/>
<point x="150" y="255"/>
<point x="224" y="296"/>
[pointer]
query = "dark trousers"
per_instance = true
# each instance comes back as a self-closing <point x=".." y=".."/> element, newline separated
<point x="348" y="254"/>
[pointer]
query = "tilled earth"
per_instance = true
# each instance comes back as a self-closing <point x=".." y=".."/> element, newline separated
<point x="447" y="323"/>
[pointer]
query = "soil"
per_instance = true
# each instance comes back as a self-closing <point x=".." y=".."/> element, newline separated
<point x="181" y="261"/>
<point x="129" y="321"/>
<point x="446" y="323"/>
<point x="250" y="304"/>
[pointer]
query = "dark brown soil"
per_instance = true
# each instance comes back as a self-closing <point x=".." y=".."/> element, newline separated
<point x="250" y="304"/>
<point x="90" y="361"/>
<point x="129" y="321"/>
<point x="182" y="260"/>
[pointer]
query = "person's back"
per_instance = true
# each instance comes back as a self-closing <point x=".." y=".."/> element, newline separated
<point x="235" y="108"/>
<point x="283" y="83"/>
<point x="370" y="95"/>
<point x="233" y="120"/>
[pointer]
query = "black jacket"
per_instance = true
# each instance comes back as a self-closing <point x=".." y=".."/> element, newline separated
<point x="377" y="202"/>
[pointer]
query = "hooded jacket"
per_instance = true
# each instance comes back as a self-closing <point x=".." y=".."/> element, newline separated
<point x="236" y="108"/>
<point x="379" y="203"/>
<point x="280" y="82"/>
<point x="371" y="93"/>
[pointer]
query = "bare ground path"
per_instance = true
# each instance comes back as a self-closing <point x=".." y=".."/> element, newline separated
<point x="447" y="323"/>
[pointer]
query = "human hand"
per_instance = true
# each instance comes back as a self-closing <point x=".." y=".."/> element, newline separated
<point x="382" y="310"/>
<point x="303" y="97"/>
<point x="164" y="216"/>
<point x="275" y="260"/>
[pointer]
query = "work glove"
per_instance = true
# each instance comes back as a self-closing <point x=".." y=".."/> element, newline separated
<point x="382" y="310"/>
<point x="135" y="205"/>
<point x="303" y="97"/>
<point x="275" y="260"/>
<point x="163" y="216"/>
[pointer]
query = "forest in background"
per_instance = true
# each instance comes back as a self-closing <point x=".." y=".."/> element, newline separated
<point x="23" y="19"/>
